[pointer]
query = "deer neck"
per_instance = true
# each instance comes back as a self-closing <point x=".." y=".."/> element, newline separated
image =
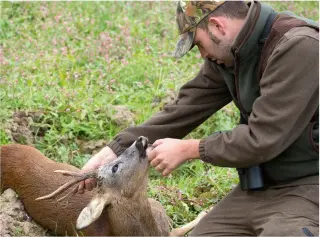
<point x="132" y="215"/>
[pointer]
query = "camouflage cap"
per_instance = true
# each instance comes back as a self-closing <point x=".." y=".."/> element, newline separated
<point x="188" y="16"/>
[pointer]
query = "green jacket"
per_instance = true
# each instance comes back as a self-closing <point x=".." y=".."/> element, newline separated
<point x="277" y="105"/>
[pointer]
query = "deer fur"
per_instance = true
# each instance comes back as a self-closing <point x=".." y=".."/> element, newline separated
<point x="30" y="174"/>
<point x="120" y="207"/>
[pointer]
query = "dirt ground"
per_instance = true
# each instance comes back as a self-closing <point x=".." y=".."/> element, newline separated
<point x="14" y="221"/>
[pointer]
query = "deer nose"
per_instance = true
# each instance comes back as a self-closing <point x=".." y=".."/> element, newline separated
<point x="144" y="141"/>
<point x="142" y="145"/>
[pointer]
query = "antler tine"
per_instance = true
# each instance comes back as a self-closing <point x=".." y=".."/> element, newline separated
<point x="61" y="189"/>
<point x="69" y="173"/>
<point x="69" y="194"/>
<point x="78" y="178"/>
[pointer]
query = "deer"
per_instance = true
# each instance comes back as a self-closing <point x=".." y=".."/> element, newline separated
<point x="119" y="206"/>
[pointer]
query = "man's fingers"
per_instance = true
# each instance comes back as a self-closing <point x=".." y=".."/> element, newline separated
<point x="158" y="142"/>
<point x="152" y="154"/>
<point x="149" y="150"/>
<point x="87" y="184"/>
<point x="166" y="172"/>
<point x="155" y="162"/>
<point x="81" y="188"/>
<point x="90" y="184"/>
<point x="159" y="167"/>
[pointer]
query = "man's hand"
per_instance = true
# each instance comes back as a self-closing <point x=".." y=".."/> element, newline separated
<point x="106" y="155"/>
<point x="169" y="154"/>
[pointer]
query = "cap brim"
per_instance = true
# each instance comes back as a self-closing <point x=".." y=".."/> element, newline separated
<point x="185" y="43"/>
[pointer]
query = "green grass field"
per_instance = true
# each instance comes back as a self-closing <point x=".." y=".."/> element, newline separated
<point x="72" y="62"/>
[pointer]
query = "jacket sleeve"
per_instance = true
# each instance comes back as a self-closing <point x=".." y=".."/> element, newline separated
<point x="289" y="98"/>
<point x="197" y="100"/>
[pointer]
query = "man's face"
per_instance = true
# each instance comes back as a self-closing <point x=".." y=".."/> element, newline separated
<point x="214" y="47"/>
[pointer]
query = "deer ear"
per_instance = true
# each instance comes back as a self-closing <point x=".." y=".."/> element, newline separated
<point x="91" y="212"/>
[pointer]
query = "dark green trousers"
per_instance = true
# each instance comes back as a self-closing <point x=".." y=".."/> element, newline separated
<point x="291" y="210"/>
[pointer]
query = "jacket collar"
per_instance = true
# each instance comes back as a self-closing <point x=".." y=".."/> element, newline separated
<point x="247" y="39"/>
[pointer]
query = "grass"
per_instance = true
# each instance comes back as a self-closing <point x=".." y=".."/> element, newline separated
<point x="75" y="60"/>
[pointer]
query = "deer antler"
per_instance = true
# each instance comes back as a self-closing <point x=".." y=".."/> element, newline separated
<point x="78" y="177"/>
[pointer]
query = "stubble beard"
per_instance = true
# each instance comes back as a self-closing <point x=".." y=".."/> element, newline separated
<point x="224" y="48"/>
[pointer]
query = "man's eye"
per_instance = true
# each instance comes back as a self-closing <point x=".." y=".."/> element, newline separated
<point x="115" y="168"/>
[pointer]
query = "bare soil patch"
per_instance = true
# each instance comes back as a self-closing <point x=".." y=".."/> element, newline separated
<point x="14" y="220"/>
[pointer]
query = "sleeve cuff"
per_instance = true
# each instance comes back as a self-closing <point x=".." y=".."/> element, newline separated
<point x="116" y="147"/>
<point x="202" y="150"/>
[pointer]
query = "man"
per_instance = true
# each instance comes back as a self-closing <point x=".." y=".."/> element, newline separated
<point x="268" y="64"/>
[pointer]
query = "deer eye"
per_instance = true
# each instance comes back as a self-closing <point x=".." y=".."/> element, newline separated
<point x="115" y="168"/>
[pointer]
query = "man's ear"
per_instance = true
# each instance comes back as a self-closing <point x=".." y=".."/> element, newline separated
<point x="218" y="24"/>
<point x="91" y="212"/>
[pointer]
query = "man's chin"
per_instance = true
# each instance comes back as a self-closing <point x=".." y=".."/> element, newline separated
<point x="225" y="63"/>
<point x="228" y="63"/>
